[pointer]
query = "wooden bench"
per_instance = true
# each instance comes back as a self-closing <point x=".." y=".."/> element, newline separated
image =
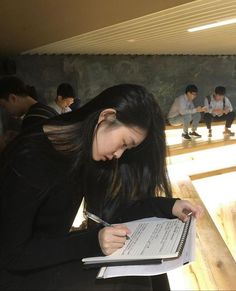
<point x="183" y="146"/>
<point x="214" y="268"/>
<point x="201" y="124"/>
<point x="189" y="147"/>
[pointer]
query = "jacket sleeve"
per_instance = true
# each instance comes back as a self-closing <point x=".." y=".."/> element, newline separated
<point x="19" y="248"/>
<point x="156" y="206"/>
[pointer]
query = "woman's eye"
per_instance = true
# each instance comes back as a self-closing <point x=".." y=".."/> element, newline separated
<point x="124" y="145"/>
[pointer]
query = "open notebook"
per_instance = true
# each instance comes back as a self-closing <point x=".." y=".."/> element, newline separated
<point x="151" y="242"/>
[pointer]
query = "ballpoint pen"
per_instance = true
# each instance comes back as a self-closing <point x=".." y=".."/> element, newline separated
<point x="99" y="220"/>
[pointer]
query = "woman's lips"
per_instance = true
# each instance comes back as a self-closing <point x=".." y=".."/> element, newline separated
<point x="106" y="158"/>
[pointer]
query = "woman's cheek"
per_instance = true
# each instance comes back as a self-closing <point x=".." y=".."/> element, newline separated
<point x="109" y="148"/>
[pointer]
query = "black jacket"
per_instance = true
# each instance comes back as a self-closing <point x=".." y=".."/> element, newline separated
<point x="38" y="203"/>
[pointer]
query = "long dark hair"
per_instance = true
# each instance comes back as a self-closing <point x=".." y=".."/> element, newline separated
<point x="140" y="172"/>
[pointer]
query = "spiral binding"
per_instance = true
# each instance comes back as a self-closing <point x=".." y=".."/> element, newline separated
<point x="184" y="236"/>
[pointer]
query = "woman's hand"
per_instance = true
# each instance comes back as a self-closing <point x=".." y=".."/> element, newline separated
<point x="182" y="207"/>
<point x="112" y="238"/>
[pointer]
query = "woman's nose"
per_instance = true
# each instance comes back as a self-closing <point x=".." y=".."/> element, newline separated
<point x="118" y="153"/>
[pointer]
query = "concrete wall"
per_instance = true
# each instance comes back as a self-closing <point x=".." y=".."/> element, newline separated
<point x="165" y="76"/>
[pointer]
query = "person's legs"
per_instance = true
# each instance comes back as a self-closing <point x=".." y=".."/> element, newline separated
<point x="176" y="121"/>
<point x="184" y="120"/>
<point x="208" y="120"/>
<point x="229" y="119"/>
<point x="187" y="118"/>
<point x="179" y="120"/>
<point x="196" y="117"/>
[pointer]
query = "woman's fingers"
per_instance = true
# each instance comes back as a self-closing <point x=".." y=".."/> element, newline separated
<point x="120" y="230"/>
<point x="112" y="238"/>
<point x="196" y="210"/>
<point x="182" y="208"/>
<point x="122" y="227"/>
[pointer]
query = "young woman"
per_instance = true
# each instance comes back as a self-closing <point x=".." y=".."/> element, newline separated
<point x="112" y="153"/>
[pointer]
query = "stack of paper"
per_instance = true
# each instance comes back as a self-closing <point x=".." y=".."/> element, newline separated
<point x="169" y="240"/>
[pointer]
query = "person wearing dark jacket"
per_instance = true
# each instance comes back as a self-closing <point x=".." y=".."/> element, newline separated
<point x="104" y="153"/>
<point x="16" y="99"/>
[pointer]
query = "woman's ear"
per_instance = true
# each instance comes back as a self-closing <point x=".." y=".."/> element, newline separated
<point x="108" y="115"/>
<point x="12" y="98"/>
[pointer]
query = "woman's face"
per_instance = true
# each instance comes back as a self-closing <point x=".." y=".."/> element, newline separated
<point x="110" y="141"/>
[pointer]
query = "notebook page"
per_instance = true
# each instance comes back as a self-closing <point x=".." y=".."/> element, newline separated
<point x="153" y="239"/>
<point x="149" y="239"/>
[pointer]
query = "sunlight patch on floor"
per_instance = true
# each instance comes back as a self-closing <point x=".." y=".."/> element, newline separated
<point x="204" y="161"/>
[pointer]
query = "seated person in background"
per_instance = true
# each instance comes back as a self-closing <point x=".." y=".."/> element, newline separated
<point x="183" y="112"/>
<point x="65" y="98"/>
<point x="10" y="128"/>
<point x="219" y="108"/>
<point x="32" y="92"/>
<point x="15" y="99"/>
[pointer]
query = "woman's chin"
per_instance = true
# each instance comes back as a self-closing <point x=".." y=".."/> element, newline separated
<point x="98" y="159"/>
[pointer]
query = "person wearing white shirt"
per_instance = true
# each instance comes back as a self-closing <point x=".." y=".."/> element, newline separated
<point x="65" y="97"/>
<point x="219" y="108"/>
<point x="183" y="112"/>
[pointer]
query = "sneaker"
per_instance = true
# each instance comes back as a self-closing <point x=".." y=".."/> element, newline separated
<point x="194" y="134"/>
<point x="186" y="136"/>
<point x="209" y="133"/>
<point x="228" y="132"/>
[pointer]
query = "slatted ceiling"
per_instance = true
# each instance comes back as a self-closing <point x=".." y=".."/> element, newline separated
<point x="99" y="40"/>
<point x="164" y="32"/>
<point x="109" y="35"/>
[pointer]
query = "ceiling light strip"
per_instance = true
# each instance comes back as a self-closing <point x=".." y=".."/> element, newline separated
<point x="212" y="25"/>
